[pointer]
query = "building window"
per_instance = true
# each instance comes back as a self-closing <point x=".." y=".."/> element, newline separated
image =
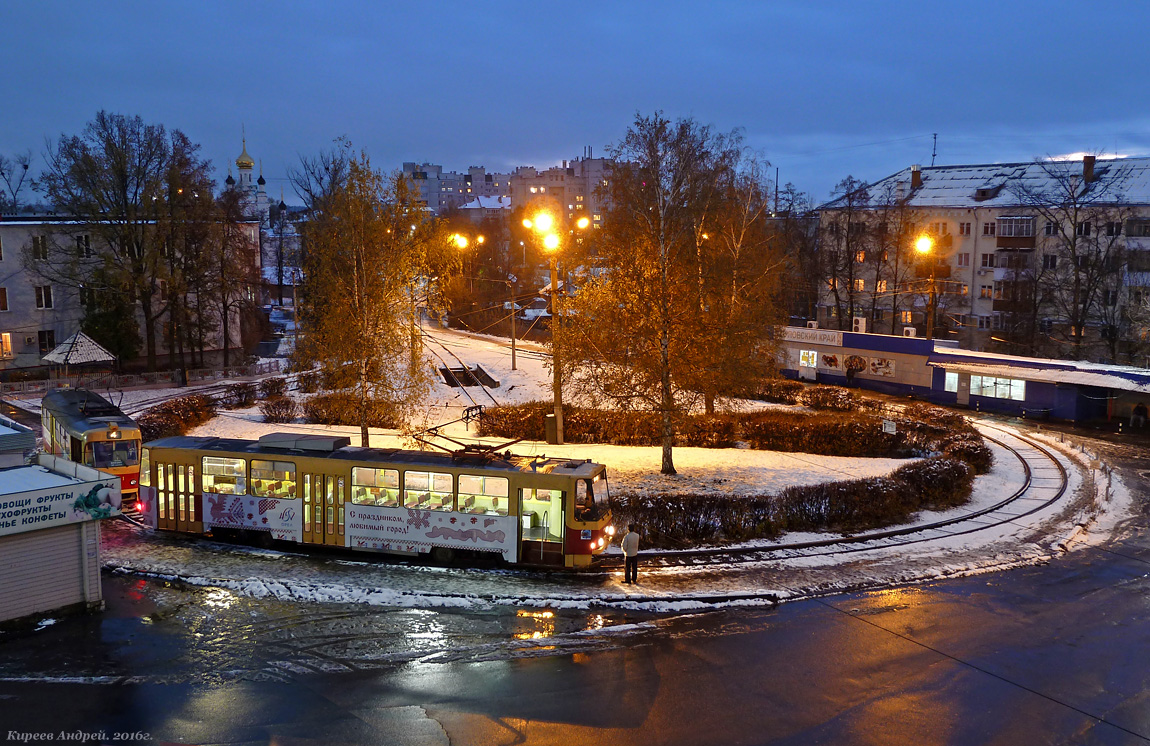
<point x="1110" y="297"/>
<point x="3" y="299"/>
<point x="84" y="247"/>
<point x="808" y="358"/>
<point x="906" y="317"/>
<point x="1114" y="229"/>
<point x="860" y="256"/>
<point x="987" y="261"/>
<point x="860" y="285"/>
<point x="964" y="260"/>
<point x="47" y="340"/>
<point x="6" y="345"/>
<point x="1" y="249"/>
<point x="964" y="289"/>
<point x="1049" y="261"/>
<point x="983" y="322"/>
<point x="40" y="248"/>
<point x="998" y="388"/>
<point x="951" y="382"/>
<point x="880" y="286"/>
<point x="1051" y="228"/>
<point x="1083" y="228"/>
<point x="43" y="296"/>
<point x="1016" y="227"/>
<point x="939" y="229"/>
<point x="964" y="229"/>
<point x="988" y="229"/>
<point x="986" y="291"/>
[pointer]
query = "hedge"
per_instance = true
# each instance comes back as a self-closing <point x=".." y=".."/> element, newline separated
<point x="680" y="521"/>
<point x="175" y="416"/>
<point x="279" y="409"/>
<point x="273" y="388"/>
<point x="240" y="395"/>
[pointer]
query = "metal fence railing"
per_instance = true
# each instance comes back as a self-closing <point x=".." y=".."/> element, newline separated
<point x="138" y="380"/>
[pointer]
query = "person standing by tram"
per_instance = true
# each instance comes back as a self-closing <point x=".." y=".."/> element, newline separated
<point x="630" y="545"/>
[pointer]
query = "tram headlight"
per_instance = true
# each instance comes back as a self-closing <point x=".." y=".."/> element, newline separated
<point x="610" y="530"/>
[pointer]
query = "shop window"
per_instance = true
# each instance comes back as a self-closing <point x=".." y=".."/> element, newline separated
<point x="951" y="382"/>
<point x="998" y="388"/>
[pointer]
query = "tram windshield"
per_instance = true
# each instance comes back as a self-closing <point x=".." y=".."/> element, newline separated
<point x="591" y="497"/>
<point x="112" y="454"/>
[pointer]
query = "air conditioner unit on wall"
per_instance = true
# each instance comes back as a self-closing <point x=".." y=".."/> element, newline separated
<point x="859" y="324"/>
<point x="909" y="331"/>
<point x="812" y="325"/>
<point x="29" y="340"/>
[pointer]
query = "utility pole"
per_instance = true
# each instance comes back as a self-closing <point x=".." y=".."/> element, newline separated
<point x="511" y="292"/>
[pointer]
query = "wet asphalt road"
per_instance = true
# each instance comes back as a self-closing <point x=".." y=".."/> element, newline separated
<point x="1052" y="654"/>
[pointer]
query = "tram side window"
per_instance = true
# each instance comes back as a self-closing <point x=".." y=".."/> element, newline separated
<point x="375" y="486"/>
<point x="145" y="469"/>
<point x="224" y="476"/>
<point x="273" y="479"/>
<point x="482" y="494"/>
<point x="427" y="490"/>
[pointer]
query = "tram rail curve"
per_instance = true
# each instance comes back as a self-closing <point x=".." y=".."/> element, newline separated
<point x="886" y="538"/>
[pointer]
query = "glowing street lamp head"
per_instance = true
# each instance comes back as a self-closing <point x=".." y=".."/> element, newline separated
<point x="459" y="240"/>
<point x="582" y="222"/>
<point x="924" y="244"/>
<point x="527" y="223"/>
<point x="551" y="242"/>
<point x="543" y="222"/>
<point x="480" y="239"/>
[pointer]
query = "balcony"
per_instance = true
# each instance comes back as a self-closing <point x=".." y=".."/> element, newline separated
<point x="924" y="271"/>
<point x="1016" y="242"/>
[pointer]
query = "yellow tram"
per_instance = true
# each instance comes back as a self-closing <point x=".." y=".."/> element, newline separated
<point x="317" y="489"/>
<point x="86" y="428"/>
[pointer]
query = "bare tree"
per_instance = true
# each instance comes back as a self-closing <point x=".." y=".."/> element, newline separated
<point x="13" y="172"/>
<point x="1081" y="217"/>
<point x="844" y="241"/>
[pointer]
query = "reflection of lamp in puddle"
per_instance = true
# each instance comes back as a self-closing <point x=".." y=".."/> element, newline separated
<point x="544" y="624"/>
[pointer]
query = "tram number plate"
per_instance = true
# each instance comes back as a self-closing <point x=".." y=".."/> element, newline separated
<point x="585" y="534"/>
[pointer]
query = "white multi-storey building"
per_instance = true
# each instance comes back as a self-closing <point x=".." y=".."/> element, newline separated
<point x="1048" y="257"/>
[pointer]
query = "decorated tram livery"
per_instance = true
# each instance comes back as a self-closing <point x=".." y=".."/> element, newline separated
<point x="84" y="427"/>
<point x="315" y="489"/>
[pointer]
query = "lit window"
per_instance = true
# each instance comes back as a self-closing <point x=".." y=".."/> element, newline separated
<point x="483" y="494"/>
<point x="985" y="291"/>
<point x="273" y="479"/>
<point x="860" y="256"/>
<point x="860" y="285"/>
<point x="998" y="388"/>
<point x="224" y="476"/>
<point x="880" y="286"/>
<point x="951" y="383"/>
<point x="423" y="490"/>
<point x="808" y="358"/>
<point x="375" y="486"/>
<point x="906" y="317"/>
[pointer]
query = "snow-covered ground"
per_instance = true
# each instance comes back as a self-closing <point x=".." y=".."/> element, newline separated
<point x="1089" y="514"/>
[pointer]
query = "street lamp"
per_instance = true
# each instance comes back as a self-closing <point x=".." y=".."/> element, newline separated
<point x="924" y="246"/>
<point x="542" y="223"/>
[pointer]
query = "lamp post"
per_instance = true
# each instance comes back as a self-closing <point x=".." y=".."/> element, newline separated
<point x="924" y="245"/>
<point x="542" y="224"/>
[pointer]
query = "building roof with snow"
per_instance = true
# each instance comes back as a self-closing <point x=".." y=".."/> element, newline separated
<point x="1119" y="180"/>
<point x="481" y="202"/>
<point x="79" y="349"/>
<point x="1120" y="377"/>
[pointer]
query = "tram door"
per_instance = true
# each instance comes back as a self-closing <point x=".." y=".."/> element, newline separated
<point x="541" y="513"/>
<point x="323" y="499"/>
<point x="176" y="494"/>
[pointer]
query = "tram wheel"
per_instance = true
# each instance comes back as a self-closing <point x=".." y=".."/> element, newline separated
<point x="442" y="555"/>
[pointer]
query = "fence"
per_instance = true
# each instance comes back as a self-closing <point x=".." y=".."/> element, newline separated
<point x="139" y="380"/>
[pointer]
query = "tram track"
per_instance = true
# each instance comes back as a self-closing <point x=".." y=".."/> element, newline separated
<point x="1039" y="490"/>
<point x="432" y="338"/>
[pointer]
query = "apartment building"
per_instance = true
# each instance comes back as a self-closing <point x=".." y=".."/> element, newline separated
<point x="1048" y="257"/>
<point x="444" y="190"/>
<point x="573" y="185"/>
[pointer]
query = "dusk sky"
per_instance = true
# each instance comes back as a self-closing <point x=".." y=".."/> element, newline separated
<point x="822" y="90"/>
